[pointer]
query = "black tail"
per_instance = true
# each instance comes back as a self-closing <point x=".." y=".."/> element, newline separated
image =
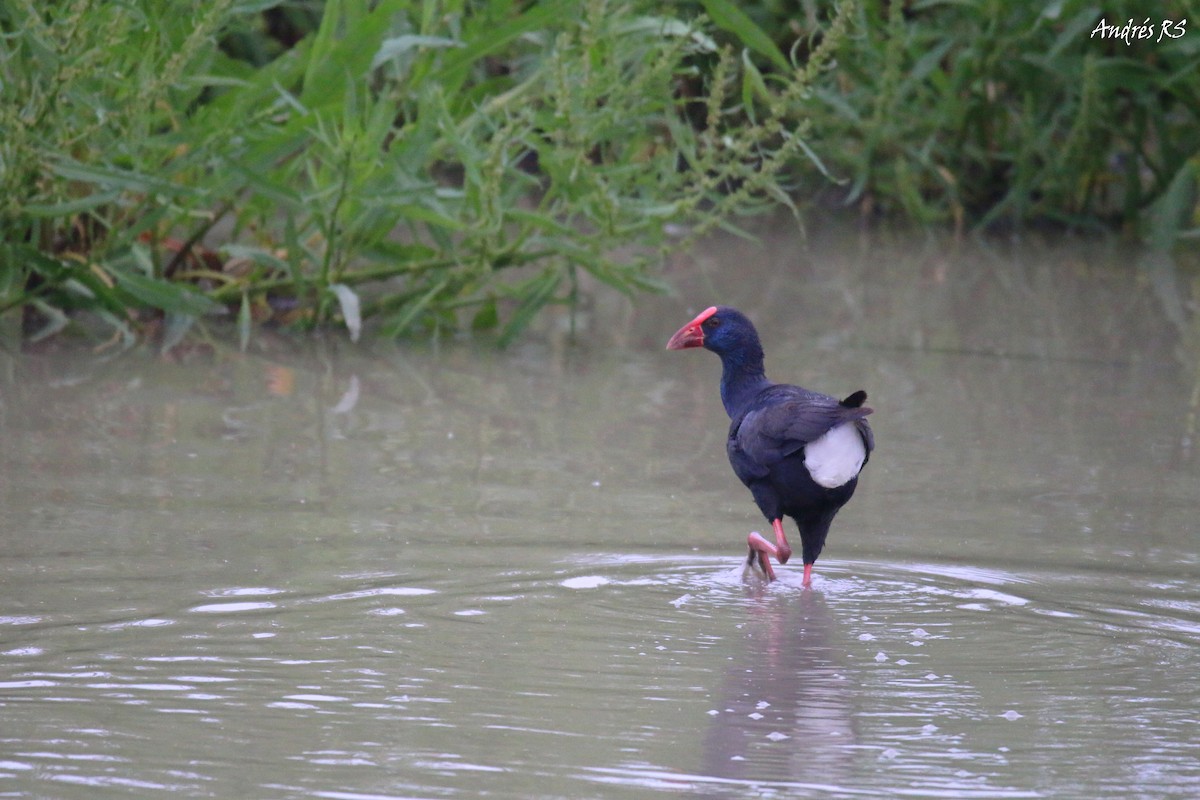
<point x="855" y="400"/>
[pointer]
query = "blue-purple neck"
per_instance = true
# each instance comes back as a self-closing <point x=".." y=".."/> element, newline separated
<point x="742" y="378"/>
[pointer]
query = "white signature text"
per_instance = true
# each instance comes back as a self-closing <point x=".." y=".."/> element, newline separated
<point x="1131" y="31"/>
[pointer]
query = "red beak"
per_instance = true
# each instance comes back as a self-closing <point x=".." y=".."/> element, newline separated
<point x="691" y="335"/>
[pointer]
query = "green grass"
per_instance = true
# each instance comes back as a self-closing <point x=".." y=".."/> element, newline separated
<point x="427" y="168"/>
<point x="1000" y="112"/>
<point x="416" y="167"/>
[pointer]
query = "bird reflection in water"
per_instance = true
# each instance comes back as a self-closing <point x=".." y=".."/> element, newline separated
<point x="783" y="710"/>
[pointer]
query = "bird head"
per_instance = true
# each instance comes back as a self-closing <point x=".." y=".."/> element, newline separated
<point x="720" y="329"/>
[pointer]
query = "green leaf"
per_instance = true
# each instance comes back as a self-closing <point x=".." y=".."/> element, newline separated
<point x="114" y="178"/>
<point x="752" y="86"/>
<point x="69" y="208"/>
<point x="535" y="294"/>
<point x="257" y="255"/>
<point x="813" y="157"/>
<point x="728" y="17"/>
<point x="165" y="295"/>
<point x="399" y="45"/>
<point x="261" y="182"/>
<point x="487" y="317"/>
<point x="254" y="6"/>
<point x="666" y="26"/>
<point x="418" y="213"/>
<point x="492" y="38"/>
<point x="344" y="48"/>
<point x="1174" y="209"/>
<point x="399" y="323"/>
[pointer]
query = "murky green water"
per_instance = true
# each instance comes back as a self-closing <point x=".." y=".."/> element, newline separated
<point x="390" y="573"/>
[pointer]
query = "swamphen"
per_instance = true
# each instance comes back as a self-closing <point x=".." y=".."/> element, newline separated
<point x="799" y="452"/>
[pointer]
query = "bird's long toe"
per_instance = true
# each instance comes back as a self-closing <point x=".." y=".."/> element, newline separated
<point x="764" y="550"/>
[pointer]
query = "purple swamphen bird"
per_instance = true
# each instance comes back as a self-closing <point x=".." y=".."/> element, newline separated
<point x="798" y="452"/>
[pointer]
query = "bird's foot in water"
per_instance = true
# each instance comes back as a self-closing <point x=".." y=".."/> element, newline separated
<point x="761" y="551"/>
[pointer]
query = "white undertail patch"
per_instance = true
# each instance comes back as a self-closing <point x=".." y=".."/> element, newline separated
<point x="836" y="457"/>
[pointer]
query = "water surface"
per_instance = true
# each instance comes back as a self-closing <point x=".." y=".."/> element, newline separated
<point x="319" y="570"/>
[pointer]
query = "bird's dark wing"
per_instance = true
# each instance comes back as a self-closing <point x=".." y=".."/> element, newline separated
<point x="782" y="420"/>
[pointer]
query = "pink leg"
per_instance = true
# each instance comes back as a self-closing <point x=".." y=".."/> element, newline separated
<point x="781" y="542"/>
<point x="763" y="550"/>
<point x="808" y="575"/>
